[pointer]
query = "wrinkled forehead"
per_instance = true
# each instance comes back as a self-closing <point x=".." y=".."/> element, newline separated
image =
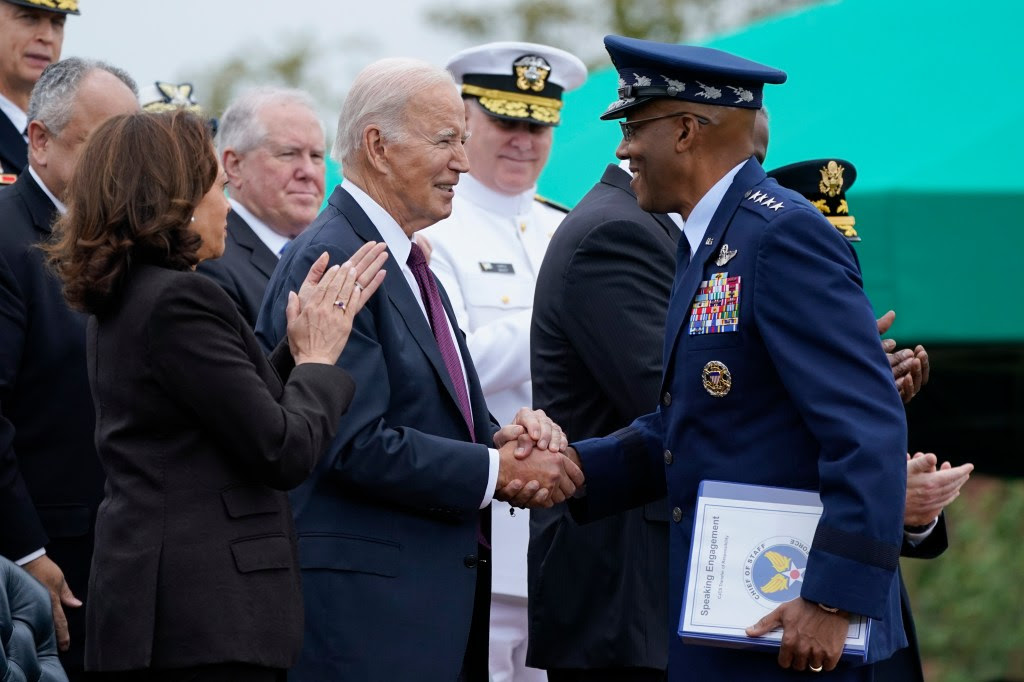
<point x="435" y="109"/>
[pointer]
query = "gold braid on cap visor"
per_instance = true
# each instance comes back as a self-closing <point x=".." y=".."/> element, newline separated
<point x="515" y="105"/>
<point x="68" y="5"/>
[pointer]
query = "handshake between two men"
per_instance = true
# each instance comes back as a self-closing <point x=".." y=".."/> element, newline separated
<point x="534" y="470"/>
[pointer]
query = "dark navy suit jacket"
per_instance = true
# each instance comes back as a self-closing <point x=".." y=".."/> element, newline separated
<point x="388" y="524"/>
<point x="13" y="148"/>
<point x="51" y="481"/>
<point x="598" y="591"/>
<point x="244" y="269"/>
<point x="812" y="406"/>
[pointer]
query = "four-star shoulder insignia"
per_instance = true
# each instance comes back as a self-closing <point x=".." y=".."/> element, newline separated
<point x="757" y="197"/>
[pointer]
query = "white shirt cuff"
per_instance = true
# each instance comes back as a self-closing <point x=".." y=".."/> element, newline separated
<point x="917" y="538"/>
<point x="492" y="477"/>
<point x="31" y="557"/>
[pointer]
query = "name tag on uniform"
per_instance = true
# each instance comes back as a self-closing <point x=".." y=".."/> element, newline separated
<point x="497" y="268"/>
<point x="716" y="307"/>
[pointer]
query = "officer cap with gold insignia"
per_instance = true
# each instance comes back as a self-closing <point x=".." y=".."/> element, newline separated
<point x="60" y="6"/>
<point x="518" y="81"/>
<point x="162" y="96"/>
<point x="824" y="183"/>
<point x="649" y="70"/>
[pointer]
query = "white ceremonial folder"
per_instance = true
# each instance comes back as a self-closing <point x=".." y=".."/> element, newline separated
<point x="748" y="555"/>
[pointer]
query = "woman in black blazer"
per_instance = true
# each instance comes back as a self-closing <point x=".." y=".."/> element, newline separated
<point x="194" y="574"/>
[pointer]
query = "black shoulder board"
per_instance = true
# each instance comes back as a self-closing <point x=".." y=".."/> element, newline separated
<point x="553" y="204"/>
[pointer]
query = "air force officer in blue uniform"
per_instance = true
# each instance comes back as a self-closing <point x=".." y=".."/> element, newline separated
<point x="773" y="374"/>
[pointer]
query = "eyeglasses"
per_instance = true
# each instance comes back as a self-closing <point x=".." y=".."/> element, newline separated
<point x="629" y="127"/>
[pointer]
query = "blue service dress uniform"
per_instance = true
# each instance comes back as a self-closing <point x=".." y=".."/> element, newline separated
<point x="790" y="389"/>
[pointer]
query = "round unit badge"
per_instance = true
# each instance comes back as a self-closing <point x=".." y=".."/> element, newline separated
<point x="717" y="379"/>
<point x="774" y="570"/>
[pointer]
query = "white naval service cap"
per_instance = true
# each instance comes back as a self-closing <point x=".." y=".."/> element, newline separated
<point x="518" y="81"/>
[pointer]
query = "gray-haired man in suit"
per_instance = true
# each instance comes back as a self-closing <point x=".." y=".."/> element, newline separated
<point x="271" y="144"/>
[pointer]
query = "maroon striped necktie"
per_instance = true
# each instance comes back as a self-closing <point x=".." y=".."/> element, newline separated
<point x="439" y="323"/>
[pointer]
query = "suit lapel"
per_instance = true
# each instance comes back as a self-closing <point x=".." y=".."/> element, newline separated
<point x="667" y="224"/>
<point x="260" y="256"/>
<point x="618" y="178"/>
<point x="688" y="277"/>
<point x="401" y="295"/>
<point x="43" y="212"/>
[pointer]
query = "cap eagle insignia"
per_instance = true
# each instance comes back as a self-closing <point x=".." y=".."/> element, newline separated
<point x="831" y="179"/>
<point x="531" y="72"/>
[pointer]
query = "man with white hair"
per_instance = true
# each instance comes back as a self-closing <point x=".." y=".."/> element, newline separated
<point x="392" y="525"/>
<point x="271" y="144"/>
<point x="51" y="482"/>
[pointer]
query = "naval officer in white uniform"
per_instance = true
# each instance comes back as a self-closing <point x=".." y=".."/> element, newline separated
<point x="487" y="255"/>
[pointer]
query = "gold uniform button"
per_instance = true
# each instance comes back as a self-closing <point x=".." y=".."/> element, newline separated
<point x="505" y="299"/>
<point x="522" y="227"/>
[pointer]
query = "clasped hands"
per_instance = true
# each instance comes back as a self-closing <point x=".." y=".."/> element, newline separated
<point x="533" y="470"/>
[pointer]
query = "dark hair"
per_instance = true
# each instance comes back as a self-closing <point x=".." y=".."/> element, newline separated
<point x="130" y="201"/>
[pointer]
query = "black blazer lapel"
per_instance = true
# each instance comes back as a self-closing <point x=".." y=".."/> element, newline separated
<point x="399" y="292"/>
<point x="42" y="210"/>
<point x="682" y="295"/>
<point x="619" y="178"/>
<point x="260" y="256"/>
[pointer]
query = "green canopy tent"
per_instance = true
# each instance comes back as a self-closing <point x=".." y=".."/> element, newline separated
<point x="925" y="98"/>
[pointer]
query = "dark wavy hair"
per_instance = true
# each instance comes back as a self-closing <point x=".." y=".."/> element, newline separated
<point x="130" y="201"/>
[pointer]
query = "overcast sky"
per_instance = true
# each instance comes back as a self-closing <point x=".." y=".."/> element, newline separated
<point x="178" y="39"/>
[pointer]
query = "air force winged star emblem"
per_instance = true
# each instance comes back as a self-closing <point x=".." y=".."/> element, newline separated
<point x="725" y="255"/>
<point x="774" y="571"/>
<point x="788" y="573"/>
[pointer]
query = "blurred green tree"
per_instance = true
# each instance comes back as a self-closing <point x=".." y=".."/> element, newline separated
<point x="578" y="25"/>
<point x="967" y="603"/>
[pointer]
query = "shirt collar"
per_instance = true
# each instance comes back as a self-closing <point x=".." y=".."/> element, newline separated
<point x="18" y="117"/>
<point x="700" y="217"/>
<point x="472" y="190"/>
<point x="273" y="241"/>
<point x="397" y="240"/>
<point x="46" y="190"/>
